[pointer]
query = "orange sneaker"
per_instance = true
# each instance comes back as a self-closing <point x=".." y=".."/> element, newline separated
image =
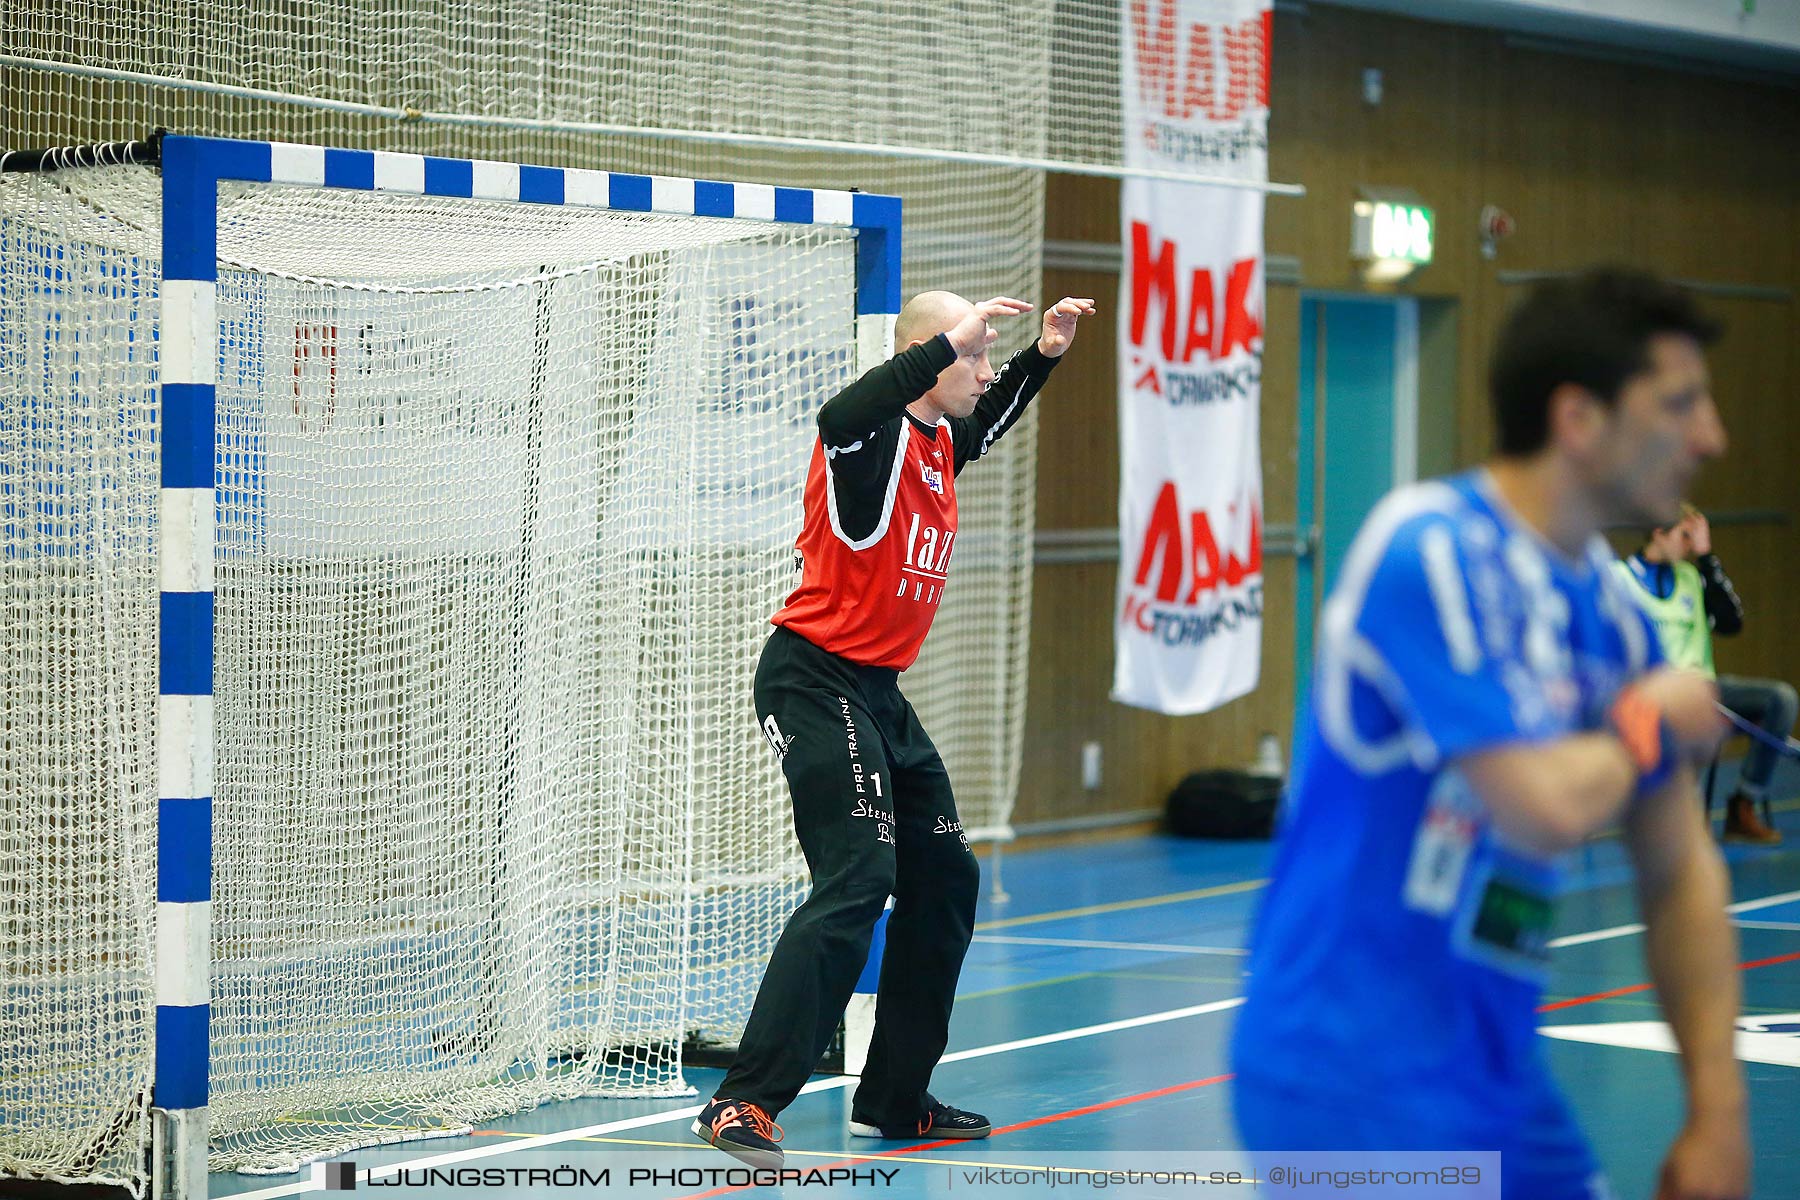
<point x="741" y="1129"/>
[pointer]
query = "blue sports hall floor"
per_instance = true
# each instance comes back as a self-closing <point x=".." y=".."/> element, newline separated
<point x="1091" y="1026"/>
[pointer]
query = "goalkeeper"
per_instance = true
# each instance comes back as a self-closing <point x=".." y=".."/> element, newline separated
<point x="872" y="802"/>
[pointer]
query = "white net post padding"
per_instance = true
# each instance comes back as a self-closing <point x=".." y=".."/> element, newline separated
<point x="506" y="495"/>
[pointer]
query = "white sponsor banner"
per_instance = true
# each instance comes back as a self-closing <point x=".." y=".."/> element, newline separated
<point x="1188" y="636"/>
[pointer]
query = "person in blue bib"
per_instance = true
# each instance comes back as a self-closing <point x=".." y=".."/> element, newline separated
<point x="1487" y="695"/>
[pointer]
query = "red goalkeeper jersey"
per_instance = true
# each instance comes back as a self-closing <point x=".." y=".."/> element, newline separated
<point x="870" y="599"/>
<point x="880" y="504"/>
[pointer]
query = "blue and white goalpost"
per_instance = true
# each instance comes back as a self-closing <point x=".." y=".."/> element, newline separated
<point x="450" y="508"/>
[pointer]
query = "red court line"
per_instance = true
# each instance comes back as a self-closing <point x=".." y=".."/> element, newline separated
<point x="1106" y="1104"/>
<point x="1175" y="1088"/>
<point x="1624" y="991"/>
<point x="1644" y="987"/>
<point x="1035" y="1121"/>
<point x="1769" y="962"/>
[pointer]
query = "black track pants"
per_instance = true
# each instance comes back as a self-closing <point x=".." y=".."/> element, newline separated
<point x="874" y="814"/>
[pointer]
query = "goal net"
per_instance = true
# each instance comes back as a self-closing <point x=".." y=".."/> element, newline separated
<point x="604" y="82"/>
<point x="505" y="496"/>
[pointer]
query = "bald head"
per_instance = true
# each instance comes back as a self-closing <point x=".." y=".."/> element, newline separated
<point x="928" y="314"/>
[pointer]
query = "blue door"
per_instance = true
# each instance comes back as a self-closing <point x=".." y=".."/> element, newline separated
<point x="1358" y="433"/>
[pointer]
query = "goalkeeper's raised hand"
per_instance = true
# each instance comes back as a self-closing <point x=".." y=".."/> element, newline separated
<point x="1059" y="324"/>
<point x="972" y="334"/>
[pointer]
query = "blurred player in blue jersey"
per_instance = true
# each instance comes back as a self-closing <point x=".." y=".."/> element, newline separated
<point x="1486" y="696"/>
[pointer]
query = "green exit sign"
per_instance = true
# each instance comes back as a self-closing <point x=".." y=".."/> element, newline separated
<point x="1392" y="231"/>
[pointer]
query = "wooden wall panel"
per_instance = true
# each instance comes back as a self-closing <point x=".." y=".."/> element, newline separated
<point x="1078" y="426"/>
<point x="1689" y="174"/>
<point x="1693" y="175"/>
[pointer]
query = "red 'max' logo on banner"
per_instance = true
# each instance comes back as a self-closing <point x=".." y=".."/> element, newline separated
<point x="1178" y="72"/>
<point x="1189" y="553"/>
<point x="1196" y="94"/>
<point x="1196" y="318"/>
<point x="1180" y="568"/>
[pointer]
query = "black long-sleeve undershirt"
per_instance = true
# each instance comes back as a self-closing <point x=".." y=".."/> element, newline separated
<point x="1723" y="608"/>
<point x="860" y="426"/>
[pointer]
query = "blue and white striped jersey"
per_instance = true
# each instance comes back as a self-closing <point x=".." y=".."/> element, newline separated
<point x="1402" y="942"/>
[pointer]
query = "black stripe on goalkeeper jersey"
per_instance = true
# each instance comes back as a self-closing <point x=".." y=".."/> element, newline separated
<point x="860" y="426"/>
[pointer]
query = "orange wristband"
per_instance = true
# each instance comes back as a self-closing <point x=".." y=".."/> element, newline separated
<point x="1638" y="723"/>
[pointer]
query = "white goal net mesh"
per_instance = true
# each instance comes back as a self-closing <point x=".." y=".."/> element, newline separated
<point x="78" y="606"/>
<point x="506" y="496"/>
<point x="964" y="78"/>
<point x="522" y="80"/>
<point x="562" y="83"/>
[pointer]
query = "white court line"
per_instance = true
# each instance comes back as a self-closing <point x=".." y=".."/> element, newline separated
<point x="1173" y="1014"/>
<point x="1597" y="935"/>
<point x="1084" y="944"/>
<point x="1790" y="926"/>
<point x="826" y="1085"/>
<point x="1619" y="931"/>
<point x="514" y="1145"/>
<point x="1765" y="902"/>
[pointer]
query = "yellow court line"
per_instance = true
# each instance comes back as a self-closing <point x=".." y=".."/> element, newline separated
<point x="1059" y="979"/>
<point x="1223" y="889"/>
<point x="1152" y="977"/>
<point x="1027" y="986"/>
